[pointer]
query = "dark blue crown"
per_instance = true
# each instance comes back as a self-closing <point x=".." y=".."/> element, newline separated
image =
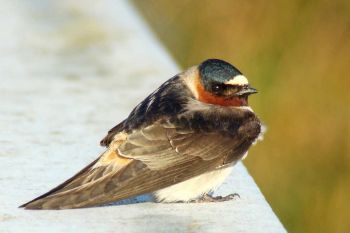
<point x="215" y="70"/>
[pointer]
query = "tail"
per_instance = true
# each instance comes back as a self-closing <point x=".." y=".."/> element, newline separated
<point x="88" y="187"/>
<point x="33" y="203"/>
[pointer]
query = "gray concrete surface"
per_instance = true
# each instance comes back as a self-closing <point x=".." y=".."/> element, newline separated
<point x="69" y="71"/>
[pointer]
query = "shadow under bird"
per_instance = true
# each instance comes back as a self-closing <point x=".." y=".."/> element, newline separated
<point x="179" y="143"/>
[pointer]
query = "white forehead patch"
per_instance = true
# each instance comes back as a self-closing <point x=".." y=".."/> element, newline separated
<point x="238" y="80"/>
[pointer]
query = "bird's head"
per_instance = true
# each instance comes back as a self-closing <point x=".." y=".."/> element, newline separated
<point x="218" y="82"/>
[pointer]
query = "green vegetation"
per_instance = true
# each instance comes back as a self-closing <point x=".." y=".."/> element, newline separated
<point x="297" y="54"/>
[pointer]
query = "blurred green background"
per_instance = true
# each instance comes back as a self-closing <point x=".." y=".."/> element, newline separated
<point x="297" y="53"/>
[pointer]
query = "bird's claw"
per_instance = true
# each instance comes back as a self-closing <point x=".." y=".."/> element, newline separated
<point x="209" y="198"/>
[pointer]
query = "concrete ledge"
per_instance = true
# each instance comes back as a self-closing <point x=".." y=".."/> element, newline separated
<point x="69" y="71"/>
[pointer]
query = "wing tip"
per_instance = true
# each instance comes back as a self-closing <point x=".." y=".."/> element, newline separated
<point x="27" y="205"/>
<point x="35" y="204"/>
<point x="47" y="203"/>
<point x="30" y="206"/>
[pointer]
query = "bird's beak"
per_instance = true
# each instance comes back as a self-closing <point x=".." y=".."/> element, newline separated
<point x="246" y="90"/>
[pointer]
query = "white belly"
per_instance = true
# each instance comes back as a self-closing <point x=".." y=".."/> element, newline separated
<point x="194" y="187"/>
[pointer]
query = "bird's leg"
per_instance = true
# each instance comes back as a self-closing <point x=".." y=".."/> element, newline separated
<point x="208" y="198"/>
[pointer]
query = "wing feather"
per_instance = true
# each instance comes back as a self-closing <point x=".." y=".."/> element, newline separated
<point x="108" y="163"/>
<point x="173" y="147"/>
<point x="144" y="161"/>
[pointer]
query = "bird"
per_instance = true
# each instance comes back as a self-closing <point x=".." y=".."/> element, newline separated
<point x="178" y="144"/>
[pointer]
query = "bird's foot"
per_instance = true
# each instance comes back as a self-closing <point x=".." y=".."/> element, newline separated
<point x="209" y="198"/>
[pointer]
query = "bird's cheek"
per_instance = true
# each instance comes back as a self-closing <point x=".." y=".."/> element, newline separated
<point x="230" y="92"/>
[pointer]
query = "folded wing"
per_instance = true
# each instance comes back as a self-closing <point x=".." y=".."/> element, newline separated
<point x="144" y="161"/>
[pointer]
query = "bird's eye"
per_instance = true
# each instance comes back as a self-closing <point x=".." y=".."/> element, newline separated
<point x="216" y="88"/>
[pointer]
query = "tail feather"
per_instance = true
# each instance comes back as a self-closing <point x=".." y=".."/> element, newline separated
<point x="68" y="183"/>
<point x="108" y="162"/>
<point x="100" y="191"/>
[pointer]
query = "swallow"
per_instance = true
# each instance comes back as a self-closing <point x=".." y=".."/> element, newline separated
<point x="178" y="144"/>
